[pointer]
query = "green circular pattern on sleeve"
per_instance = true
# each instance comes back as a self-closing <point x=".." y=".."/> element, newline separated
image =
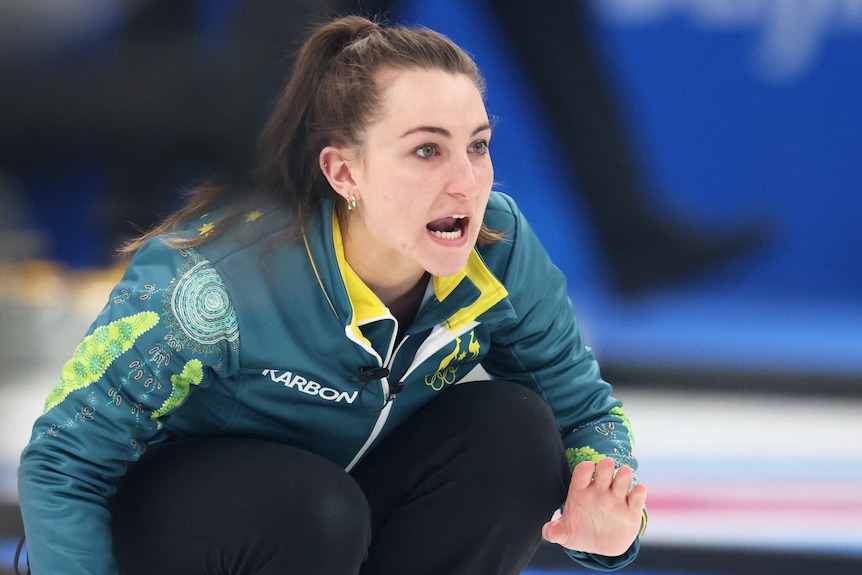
<point x="202" y="306"/>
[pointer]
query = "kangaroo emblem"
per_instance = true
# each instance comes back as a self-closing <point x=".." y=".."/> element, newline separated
<point x="446" y="373"/>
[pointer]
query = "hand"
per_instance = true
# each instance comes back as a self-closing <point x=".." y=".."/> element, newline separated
<point x="602" y="515"/>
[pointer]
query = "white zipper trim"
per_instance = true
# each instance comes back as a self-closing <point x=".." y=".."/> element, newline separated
<point x="378" y="426"/>
<point x="387" y="405"/>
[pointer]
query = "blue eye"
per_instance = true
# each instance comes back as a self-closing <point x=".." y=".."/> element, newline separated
<point x="426" y="151"/>
<point x="480" y="147"/>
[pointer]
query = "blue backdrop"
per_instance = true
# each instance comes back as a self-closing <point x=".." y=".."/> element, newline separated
<point x="738" y="111"/>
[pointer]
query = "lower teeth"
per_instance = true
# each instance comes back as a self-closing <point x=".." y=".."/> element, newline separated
<point x="447" y="235"/>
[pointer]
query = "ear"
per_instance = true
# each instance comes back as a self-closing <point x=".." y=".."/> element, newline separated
<point x="335" y="163"/>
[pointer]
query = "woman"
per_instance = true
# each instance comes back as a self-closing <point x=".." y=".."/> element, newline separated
<point x="277" y="385"/>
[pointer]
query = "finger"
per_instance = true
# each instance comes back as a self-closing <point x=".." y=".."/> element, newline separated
<point x="637" y="498"/>
<point x="623" y="481"/>
<point x="604" y="473"/>
<point x="582" y="475"/>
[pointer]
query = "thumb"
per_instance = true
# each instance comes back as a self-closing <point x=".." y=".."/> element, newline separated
<point x="554" y="531"/>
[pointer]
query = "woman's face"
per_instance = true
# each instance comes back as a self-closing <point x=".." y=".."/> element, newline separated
<point x="421" y="178"/>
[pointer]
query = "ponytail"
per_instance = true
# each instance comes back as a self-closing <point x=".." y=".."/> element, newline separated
<point x="330" y="98"/>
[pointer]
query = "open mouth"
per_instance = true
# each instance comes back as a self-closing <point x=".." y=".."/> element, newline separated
<point x="451" y="228"/>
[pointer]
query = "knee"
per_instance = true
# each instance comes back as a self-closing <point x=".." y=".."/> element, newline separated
<point x="515" y="449"/>
<point x="248" y="499"/>
<point x="321" y="506"/>
<point x="324" y="528"/>
<point x="339" y="513"/>
<point x="513" y="413"/>
<point x="514" y="426"/>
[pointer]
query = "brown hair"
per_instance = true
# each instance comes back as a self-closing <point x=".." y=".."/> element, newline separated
<point x="330" y="98"/>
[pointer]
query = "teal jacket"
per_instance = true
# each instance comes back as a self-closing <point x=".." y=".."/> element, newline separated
<point x="249" y="335"/>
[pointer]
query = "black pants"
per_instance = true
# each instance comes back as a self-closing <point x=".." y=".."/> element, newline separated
<point x="463" y="487"/>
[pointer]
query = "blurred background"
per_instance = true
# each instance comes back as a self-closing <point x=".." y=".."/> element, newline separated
<point x="693" y="166"/>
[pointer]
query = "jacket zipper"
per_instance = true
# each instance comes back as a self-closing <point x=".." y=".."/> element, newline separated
<point x="388" y="397"/>
<point x="438" y="338"/>
<point x="389" y="393"/>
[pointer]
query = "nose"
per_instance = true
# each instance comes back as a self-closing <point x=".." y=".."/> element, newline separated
<point x="464" y="178"/>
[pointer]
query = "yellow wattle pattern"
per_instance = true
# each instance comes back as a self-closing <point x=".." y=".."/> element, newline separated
<point x="192" y="374"/>
<point x="97" y="352"/>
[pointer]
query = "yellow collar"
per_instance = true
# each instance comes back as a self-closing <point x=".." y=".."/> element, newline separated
<point x="490" y="289"/>
<point x="367" y="307"/>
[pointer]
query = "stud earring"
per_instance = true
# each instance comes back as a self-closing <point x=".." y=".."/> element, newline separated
<point x="351" y="202"/>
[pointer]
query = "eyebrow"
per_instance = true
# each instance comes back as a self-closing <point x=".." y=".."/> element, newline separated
<point x="442" y="131"/>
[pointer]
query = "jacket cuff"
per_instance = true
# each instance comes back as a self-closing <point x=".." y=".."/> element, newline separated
<point x="602" y="563"/>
